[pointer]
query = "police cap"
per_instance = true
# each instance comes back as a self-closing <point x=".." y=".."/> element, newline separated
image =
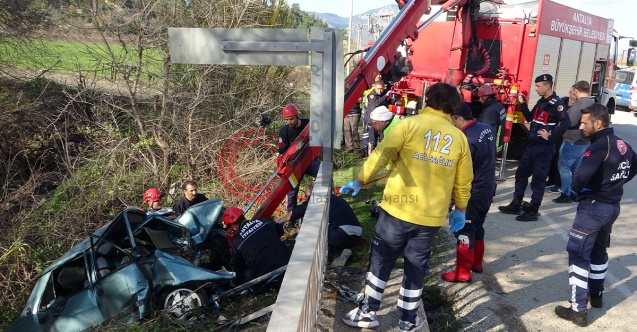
<point x="544" y="78"/>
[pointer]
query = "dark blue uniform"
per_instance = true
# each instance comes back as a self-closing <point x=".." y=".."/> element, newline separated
<point x="257" y="249"/>
<point x="183" y="204"/>
<point x="482" y="145"/>
<point x="343" y="230"/>
<point x="370" y="136"/>
<point x="547" y="114"/>
<point x="287" y="136"/>
<point x="607" y="165"/>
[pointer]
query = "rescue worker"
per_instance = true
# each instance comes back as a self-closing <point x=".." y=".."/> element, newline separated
<point x="470" y="245"/>
<point x="287" y="135"/>
<point x="574" y="143"/>
<point x="432" y="163"/>
<point x="190" y="197"/>
<point x="493" y="113"/>
<point x="548" y="122"/>
<point x="256" y="245"/>
<point x="350" y="127"/>
<point x="152" y="197"/>
<point x="343" y="229"/>
<point x="383" y="120"/>
<point x="375" y="98"/>
<point x="598" y="182"/>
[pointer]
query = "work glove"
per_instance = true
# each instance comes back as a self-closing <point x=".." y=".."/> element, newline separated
<point x="457" y="220"/>
<point x="353" y="186"/>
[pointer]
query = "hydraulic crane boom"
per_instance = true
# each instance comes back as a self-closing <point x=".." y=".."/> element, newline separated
<point x="378" y="59"/>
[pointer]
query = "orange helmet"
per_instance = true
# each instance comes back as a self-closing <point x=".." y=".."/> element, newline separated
<point x="485" y="90"/>
<point x="152" y="195"/>
<point x="231" y="215"/>
<point x="290" y="110"/>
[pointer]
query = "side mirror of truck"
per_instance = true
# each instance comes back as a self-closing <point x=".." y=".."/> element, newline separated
<point x="632" y="43"/>
<point x="630" y="56"/>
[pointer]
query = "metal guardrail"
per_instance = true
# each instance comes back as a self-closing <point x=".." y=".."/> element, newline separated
<point x="296" y="307"/>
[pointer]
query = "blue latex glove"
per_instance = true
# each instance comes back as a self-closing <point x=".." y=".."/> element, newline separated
<point x="457" y="220"/>
<point x="352" y="186"/>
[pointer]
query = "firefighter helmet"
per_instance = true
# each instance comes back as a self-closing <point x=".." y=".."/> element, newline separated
<point x="290" y="110"/>
<point x="485" y="90"/>
<point x="152" y="195"/>
<point x="231" y="215"/>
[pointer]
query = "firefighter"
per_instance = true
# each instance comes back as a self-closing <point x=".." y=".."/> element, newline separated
<point x="343" y="229"/>
<point x="152" y="197"/>
<point x="292" y="129"/>
<point x="375" y="98"/>
<point x="190" y="197"/>
<point x="598" y="182"/>
<point x="432" y="162"/>
<point x="493" y="113"/>
<point x="548" y="122"/>
<point x="470" y="245"/>
<point x="256" y="245"/>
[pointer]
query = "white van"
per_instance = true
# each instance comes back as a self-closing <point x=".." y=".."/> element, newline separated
<point x="626" y="89"/>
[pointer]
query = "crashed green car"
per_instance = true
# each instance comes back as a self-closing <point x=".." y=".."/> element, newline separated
<point x="134" y="265"/>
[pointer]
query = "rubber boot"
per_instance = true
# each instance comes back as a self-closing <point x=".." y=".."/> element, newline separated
<point x="478" y="254"/>
<point x="464" y="261"/>
<point x="515" y="207"/>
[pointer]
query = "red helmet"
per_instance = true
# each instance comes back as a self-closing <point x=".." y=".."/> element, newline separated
<point x="231" y="215"/>
<point x="290" y="110"/>
<point x="152" y="195"/>
<point x="485" y="90"/>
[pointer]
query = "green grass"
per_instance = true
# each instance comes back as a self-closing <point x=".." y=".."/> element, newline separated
<point x="71" y="57"/>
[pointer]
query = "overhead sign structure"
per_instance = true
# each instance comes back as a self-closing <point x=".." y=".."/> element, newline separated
<point x="322" y="49"/>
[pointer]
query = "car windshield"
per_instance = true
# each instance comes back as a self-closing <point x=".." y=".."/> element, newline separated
<point x="624" y="77"/>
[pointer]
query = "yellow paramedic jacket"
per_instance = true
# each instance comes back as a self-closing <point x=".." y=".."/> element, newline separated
<point x="431" y="162"/>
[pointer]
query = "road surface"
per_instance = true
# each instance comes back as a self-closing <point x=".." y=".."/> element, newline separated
<point x="526" y="265"/>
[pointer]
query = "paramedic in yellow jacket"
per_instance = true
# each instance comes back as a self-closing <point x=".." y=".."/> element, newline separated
<point x="432" y="164"/>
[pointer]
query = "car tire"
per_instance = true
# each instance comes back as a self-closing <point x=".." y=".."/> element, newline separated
<point x="182" y="303"/>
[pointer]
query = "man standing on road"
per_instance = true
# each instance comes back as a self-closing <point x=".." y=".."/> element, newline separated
<point x="431" y="163"/>
<point x="470" y="245"/>
<point x="575" y="143"/>
<point x="548" y="122"/>
<point x="599" y="183"/>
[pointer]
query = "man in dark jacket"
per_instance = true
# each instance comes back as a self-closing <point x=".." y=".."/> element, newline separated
<point x="470" y="245"/>
<point x="493" y="113"/>
<point x="598" y="182"/>
<point x="190" y="197"/>
<point x="343" y="231"/>
<point x="256" y="245"/>
<point x="547" y="122"/>
<point x="287" y="135"/>
<point x="350" y="128"/>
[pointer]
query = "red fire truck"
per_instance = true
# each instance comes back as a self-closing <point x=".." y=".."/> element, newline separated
<point x="470" y="43"/>
<point x="507" y="46"/>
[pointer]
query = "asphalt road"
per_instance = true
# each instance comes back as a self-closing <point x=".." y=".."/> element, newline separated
<point x="526" y="264"/>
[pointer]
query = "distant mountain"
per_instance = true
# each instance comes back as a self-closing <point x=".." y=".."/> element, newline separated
<point x="378" y="18"/>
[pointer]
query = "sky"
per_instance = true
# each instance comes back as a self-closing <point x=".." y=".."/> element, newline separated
<point x="624" y="12"/>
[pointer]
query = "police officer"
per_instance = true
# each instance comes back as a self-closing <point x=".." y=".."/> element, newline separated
<point x="294" y="126"/>
<point x="256" y="245"/>
<point x="598" y="182"/>
<point x="548" y="122"/>
<point x="470" y="245"/>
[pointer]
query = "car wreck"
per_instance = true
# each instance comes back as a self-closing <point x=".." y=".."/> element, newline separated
<point x="134" y="265"/>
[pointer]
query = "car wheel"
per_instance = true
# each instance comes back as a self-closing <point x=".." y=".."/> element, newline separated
<point x="182" y="302"/>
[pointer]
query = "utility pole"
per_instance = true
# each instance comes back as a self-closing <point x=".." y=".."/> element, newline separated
<point x="349" y="33"/>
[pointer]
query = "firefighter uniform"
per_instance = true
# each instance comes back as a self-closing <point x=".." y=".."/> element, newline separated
<point x="287" y="135"/>
<point x="547" y="114"/>
<point x="598" y="182"/>
<point x="257" y="249"/>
